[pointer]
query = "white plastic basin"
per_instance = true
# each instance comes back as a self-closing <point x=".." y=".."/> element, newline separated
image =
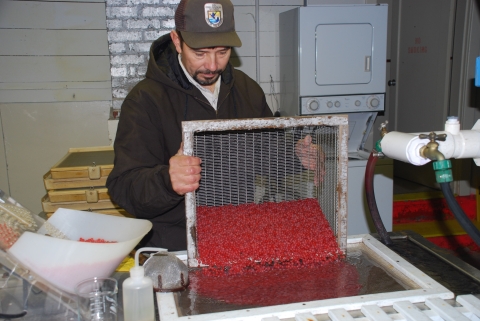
<point x="63" y="263"/>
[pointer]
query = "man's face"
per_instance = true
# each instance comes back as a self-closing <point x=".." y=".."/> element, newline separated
<point x="205" y="64"/>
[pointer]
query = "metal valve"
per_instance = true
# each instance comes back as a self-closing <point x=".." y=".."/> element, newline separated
<point x="383" y="128"/>
<point x="430" y="150"/>
<point x="433" y="137"/>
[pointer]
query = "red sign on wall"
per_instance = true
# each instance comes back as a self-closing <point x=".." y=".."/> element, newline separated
<point x="417" y="49"/>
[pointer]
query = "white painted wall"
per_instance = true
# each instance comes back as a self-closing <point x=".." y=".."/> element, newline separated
<point x="55" y="89"/>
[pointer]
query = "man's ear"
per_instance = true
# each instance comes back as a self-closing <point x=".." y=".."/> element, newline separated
<point x="176" y="41"/>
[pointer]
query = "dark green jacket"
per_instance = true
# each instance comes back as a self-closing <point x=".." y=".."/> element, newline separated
<point x="149" y="133"/>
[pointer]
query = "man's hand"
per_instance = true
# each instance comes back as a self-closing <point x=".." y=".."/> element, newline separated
<point x="184" y="172"/>
<point x="309" y="155"/>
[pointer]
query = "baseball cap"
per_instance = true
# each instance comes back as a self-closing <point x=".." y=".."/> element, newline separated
<point x="207" y="23"/>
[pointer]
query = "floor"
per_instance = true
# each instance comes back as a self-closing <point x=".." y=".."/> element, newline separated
<point x="402" y="186"/>
<point x="465" y="247"/>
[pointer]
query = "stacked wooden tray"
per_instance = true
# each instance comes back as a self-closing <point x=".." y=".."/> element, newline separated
<point x="77" y="181"/>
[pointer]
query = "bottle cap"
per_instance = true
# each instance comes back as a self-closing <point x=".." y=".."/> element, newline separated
<point x="452" y="119"/>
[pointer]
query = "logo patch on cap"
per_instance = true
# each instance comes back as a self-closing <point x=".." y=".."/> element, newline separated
<point x="214" y="14"/>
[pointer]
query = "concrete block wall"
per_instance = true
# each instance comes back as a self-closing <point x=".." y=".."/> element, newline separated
<point x="134" y="24"/>
<point x="132" y="27"/>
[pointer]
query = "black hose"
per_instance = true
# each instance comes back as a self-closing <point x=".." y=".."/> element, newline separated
<point x="459" y="214"/>
<point x="13" y="316"/>
<point x="372" y="204"/>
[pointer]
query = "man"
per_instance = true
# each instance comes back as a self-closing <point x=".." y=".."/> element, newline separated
<point x="188" y="78"/>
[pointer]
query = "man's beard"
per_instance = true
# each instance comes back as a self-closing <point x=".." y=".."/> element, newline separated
<point x="207" y="82"/>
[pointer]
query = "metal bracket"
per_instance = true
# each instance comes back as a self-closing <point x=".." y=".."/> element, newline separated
<point x="91" y="195"/>
<point x="94" y="172"/>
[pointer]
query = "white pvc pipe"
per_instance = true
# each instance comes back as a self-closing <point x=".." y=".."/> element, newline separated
<point x="458" y="144"/>
<point x="464" y="145"/>
<point x="404" y="147"/>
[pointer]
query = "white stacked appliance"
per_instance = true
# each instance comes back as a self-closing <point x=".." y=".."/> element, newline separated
<point x="333" y="61"/>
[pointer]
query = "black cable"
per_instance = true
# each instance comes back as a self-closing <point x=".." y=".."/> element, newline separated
<point x="459" y="214"/>
<point x="372" y="203"/>
<point x="13" y="316"/>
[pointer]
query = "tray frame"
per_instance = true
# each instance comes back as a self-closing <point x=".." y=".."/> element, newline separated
<point x="189" y="128"/>
<point x="86" y="171"/>
<point x="428" y="288"/>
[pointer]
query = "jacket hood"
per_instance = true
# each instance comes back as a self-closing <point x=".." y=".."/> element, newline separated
<point x="163" y="65"/>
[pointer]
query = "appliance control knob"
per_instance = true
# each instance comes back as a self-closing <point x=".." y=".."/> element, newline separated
<point x="329" y="104"/>
<point x="337" y="104"/>
<point x="357" y="103"/>
<point x="313" y="105"/>
<point x="373" y="102"/>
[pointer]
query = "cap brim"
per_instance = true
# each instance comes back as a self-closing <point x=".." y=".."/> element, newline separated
<point x="198" y="40"/>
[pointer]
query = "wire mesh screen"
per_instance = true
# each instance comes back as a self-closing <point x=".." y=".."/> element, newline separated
<point x="256" y="166"/>
<point x="254" y="161"/>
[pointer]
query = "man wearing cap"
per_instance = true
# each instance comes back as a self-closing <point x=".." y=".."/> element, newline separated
<point x="189" y="77"/>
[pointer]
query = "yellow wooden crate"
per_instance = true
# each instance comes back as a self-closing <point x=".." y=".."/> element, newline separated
<point x="67" y="183"/>
<point x="112" y="211"/>
<point x="77" y="181"/>
<point x="49" y="207"/>
<point x="89" y="195"/>
<point x="81" y="168"/>
<point x="90" y="163"/>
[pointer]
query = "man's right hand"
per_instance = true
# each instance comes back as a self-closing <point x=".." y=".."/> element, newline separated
<point x="184" y="172"/>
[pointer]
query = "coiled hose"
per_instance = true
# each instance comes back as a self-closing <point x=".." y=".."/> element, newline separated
<point x="459" y="214"/>
<point x="372" y="204"/>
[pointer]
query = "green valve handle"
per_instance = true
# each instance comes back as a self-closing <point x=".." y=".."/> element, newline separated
<point x="443" y="172"/>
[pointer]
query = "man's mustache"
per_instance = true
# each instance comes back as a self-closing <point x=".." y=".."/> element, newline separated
<point x="209" y="72"/>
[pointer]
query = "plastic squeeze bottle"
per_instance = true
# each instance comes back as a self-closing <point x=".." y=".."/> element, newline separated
<point x="138" y="293"/>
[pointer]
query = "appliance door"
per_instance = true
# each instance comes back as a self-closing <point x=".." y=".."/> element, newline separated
<point x="342" y="50"/>
<point x="343" y="54"/>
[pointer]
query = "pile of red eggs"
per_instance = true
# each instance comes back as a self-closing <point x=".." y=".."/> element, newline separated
<point x="261" y="236"/>
<point x="92" y="240"/>
<point x="268" y="254"/>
